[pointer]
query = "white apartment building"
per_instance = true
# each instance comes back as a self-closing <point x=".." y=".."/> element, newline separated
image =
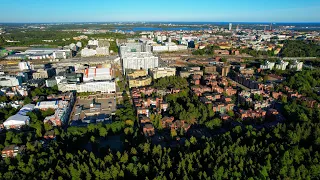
<point x="282" y="65"/>
<point x="10" y="81"/>
<point x="102" y="51"/>
<point x="296" y="65"/>
<point x="139" y="60"/>
<point x="25" y="66"/>
<point x="130" y="47"/>
<point x="268" y="65"/>
<point x="88" y="52"/>
<point x="157" y="73"/>
<point x="168" y="47"/>
<point x="44" y="105"/>
<point x="100" y="48"/>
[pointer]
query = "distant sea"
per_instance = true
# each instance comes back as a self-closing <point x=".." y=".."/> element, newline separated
<point x="189" y="26"/>
<point x="185" y="26"/>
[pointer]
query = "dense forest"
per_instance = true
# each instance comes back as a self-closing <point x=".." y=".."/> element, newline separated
<point x="289" y="150"/>
<point x="305" y="82"/>
<point x="256" y="53"/>
<point x="60" y="38"/>
<point x="299" y="48"/>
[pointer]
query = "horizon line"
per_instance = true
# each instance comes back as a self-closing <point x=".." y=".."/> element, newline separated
<point x="162" y="22"/>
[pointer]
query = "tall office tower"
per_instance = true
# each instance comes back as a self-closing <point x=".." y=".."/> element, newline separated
<point x="230" y="26"/>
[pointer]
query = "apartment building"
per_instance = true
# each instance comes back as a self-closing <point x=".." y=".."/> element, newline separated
<point x="140" y="81"/>
<point x="157" y="73"/>
<point x="12" y="151"/>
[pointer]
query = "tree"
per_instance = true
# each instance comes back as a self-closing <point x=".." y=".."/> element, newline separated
<point x="103" y="132"/>
<point x="230" y="113"/>
<point x="27" y="100"/>
<point x="173" y="133"/>
<point x="193" y="140"/>
<point x="213" y="124"/>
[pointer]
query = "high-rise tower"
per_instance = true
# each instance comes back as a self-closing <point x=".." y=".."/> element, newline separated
<point x="230" y="26"/>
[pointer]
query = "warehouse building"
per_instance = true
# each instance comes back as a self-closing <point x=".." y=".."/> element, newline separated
<point x="91" y="86"/>
<point x="20" y="119"/>
<point x="97" y="74"/>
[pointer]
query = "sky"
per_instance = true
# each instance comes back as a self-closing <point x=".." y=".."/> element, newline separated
<point x="163" y="10"/>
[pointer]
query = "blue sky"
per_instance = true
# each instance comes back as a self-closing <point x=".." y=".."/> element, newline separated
<point x="163" y="10"/>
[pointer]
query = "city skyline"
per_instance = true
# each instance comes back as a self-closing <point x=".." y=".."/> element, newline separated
<point x="32" y="11"/>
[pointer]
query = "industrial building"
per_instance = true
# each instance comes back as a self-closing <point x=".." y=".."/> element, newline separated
<point x="96" y="74"/>
<point x="42" y="53"/>
<point x="91" y="86"/>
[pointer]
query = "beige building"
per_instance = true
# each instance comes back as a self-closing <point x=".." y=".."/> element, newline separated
<point x="210" y="69"/>
<point x="157" y="73"/>
<point x="136" y="73"/>
<point x="186" y="74"/>
<point x="141" y="81"/>
<point x="223" y="70"/>
<point x="43" y="74"/>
